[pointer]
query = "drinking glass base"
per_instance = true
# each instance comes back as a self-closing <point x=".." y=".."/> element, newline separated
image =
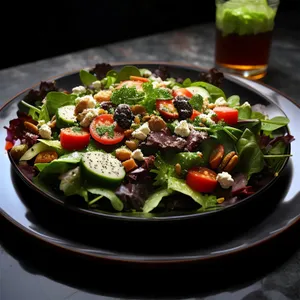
<point x="248" y="71"/>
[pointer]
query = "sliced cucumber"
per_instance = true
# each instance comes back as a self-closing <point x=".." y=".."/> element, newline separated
<point x="65" y="116"/>
<point x="198" y="90"/>
<point x="101" y="167"/>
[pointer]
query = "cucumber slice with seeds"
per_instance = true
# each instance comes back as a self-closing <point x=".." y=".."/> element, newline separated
<point x="101" y="167"/>
<point x="65" y="116"/>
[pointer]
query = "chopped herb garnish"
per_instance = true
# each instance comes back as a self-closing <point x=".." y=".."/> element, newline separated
<point x="109" y="130"/>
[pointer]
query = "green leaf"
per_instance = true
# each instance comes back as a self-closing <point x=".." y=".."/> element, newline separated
<point x="213" y="91"/>
<point x="152" y="94"/>
<point x="128" y="71"/>
<point x="58" y="99"/>
<point x="251" y="158"/>
<point x="245" y="112"/>
<point x="71" y="184"/>
<point x="127" y="95"/>
<point x="162" y="170"/>
<point x="110" y="195"/>
<point x="233" y="101"/>
<point x="274" y="123"/>
<point x="180" y="186"/>
<point x="44" y="114"/>
<point x="86" y="77"/>
<point x="154" y="199"/>
<point x="196" y="101"/>
<point x="276" y="156"/>
<point x="60" y="165"/>
<point x="188" y="160"/>
<point x="187" y="82"/>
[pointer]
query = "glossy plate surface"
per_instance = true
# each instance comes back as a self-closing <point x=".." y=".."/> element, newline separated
<point x="272" y="212"/>
<point x="230" y="86"/>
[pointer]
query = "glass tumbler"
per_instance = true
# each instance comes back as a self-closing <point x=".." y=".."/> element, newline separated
<point x="244" y="31"/>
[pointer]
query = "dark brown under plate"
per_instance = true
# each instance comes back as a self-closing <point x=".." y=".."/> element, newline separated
<point x="189" y="237"/>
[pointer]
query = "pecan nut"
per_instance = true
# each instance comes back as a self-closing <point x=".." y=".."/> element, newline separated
<point x="229" y="162"/>
<point x="216" y="156"/>
<point x="31" y="127"/>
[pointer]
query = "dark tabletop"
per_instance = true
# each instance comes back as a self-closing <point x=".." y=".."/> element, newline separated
<point x="30" y="270"/>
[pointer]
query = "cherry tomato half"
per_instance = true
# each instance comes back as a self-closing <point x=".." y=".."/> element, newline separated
<point x="167" y="109"/>
<point x="202" y="179"/>
<point x="74" y="138"/>
<point x="195" y="114"/>
<point x="104" y="131"/>
<point x="182" y="92"/>
<point x="227" y="114"/>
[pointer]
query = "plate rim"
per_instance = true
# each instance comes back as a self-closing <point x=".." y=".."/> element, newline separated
<point x="153" y="261"/>
<point x="155" y="218"/>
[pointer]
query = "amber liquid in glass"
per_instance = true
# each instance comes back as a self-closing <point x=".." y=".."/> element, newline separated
<point x="246" y="54"/>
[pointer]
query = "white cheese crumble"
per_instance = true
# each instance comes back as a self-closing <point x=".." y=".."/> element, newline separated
<point x="87" y="116"/>
<point x="221" y="102"/>
<point x="246" y="104"/>
<point x="91" y="102"/>
<point x="78" y="89"/>
<point x="45" y="132"/>
<point x="225" y="180"/>
<point x="141" y="132"/>
<point x="96" y="84"/>
<point x="182" y="129"/>
<point x="137" y="154"/>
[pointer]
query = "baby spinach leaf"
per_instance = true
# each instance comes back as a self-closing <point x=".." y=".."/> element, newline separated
<point x="245" y="112"/>
<point x="70" y="184"/>
<point x="126" y="72"/>
<point x="58" y="99"/>
<point x="155" y="198"/>
<point x="251" y="158"/>
<point x="86" y="77"/>
<point x="60" y="165"/>
<point x="233" y="101"/>
<point x="110" y="195"/>
<point x="196" y="101"/>
<point x="274" y="123"/>
<point x="188" y="160"/>
<point x="44" y="114"/>
<point x="180" y="186"/>
<point x="276" y="156"/>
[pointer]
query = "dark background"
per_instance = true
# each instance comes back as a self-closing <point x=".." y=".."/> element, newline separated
<point x="31" y="32"/>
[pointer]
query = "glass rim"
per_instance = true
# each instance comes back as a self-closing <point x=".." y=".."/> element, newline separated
<point x="269" y="2"/>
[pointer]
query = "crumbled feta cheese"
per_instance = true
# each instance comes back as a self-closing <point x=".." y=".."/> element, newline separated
<point x="175" y="87"/>
<point x="87" y="116"/>
<point x="41" y="122"/>
<point x="182" y="129"/>
<point x="206" y="119"/>
<point x="141" y="132"/>
<point x="45" y="132"/>
<point x="246" y="104"/>
<point x="97" y="84"/>
<point x="137" y="154"/>
<point x="225" y="180"/>
<point x="156" y="84"/>
<point x="221" y="102"/>
<point x="78" y="89"/>
<point x="154" y="78"/>
<point x="147" y="73"/>
<point x="91" y="102"/>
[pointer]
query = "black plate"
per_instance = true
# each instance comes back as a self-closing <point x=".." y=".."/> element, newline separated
<point x="231" y="85"/>
<point x="274" y="211"/>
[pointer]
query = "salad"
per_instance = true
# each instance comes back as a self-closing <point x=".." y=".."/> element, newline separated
<point x="139" y="140"/>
